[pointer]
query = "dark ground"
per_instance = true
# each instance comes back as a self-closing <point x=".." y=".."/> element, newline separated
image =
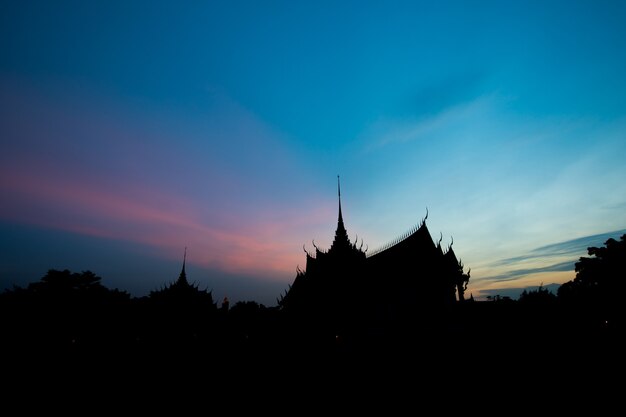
<point x="475" y="353"/>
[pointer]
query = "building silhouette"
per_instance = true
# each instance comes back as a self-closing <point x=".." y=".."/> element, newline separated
<point x="181" y="291"/>
<point x="179" y="312"/>
<point x="349" y="286"/>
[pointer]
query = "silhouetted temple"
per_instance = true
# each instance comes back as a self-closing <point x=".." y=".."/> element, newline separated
<point x="182" y="291"/>
<point x="177" y="314"/>
<point x="407" y="276"/>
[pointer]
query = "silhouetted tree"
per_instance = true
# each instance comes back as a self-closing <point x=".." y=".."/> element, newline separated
<point x="499" y="298"/>
<point x="600" y="283"/>
<point x="65" y="281"/>
<point x="66" y="308"/>
<point x="66" y="284"/>
<point x="540" y="296"/>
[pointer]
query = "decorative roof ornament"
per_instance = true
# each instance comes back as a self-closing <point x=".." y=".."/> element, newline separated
<point x="182" y="278"/>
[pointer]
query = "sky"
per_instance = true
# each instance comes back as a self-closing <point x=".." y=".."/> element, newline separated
<point x="130" y="130"/>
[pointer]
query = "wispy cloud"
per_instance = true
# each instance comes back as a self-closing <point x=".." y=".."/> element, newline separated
<point x="543" y="258"/>
<point x="440" y="109"/>
<point x="78" y="208"/>
<point x="450" y="91"/>
<point x="516" y="273"/>
<point x="118" y="177"/>
<point x="572" y="248"/>
<point x="616" y="206"/>
<point x="385" y="131"/>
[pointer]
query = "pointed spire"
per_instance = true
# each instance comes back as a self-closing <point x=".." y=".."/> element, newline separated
<point x="182" y="278"/>
<point x="340" y="220"/>
<point x="341" y="235"/>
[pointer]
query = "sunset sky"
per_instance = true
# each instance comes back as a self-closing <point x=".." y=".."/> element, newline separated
<point x="130" y="130"/>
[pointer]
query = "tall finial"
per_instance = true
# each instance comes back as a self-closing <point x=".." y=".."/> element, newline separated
<point x="182" y="278"/>
<point x="338" y="187"/>
<point x="341" y="236"/>
<point x="339" y="194"/>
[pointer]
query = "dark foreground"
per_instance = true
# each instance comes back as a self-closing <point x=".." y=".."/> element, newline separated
<point x="476" y="349"/>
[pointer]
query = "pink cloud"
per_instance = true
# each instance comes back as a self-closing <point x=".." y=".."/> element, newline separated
<point x="115" y="172"/>
<point x="263" y="248"/>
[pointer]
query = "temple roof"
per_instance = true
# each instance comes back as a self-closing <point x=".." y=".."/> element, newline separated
<point x="417" y="237"/>
<point x="341" y="241"/>
<point x="181" y="290"/>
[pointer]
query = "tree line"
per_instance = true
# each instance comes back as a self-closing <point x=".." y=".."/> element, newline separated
<point x="74" y="311"/>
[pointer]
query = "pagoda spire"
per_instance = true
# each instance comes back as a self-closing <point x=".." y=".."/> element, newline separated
<point x="340" y="220"/>
<point x="341" y="235"/>
<point x="182" y="278"/>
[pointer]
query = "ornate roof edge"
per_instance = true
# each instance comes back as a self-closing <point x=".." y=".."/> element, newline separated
<point x="400" y="238"/>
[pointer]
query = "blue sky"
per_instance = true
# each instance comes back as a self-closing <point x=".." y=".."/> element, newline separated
<point x="134" y="129"/>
